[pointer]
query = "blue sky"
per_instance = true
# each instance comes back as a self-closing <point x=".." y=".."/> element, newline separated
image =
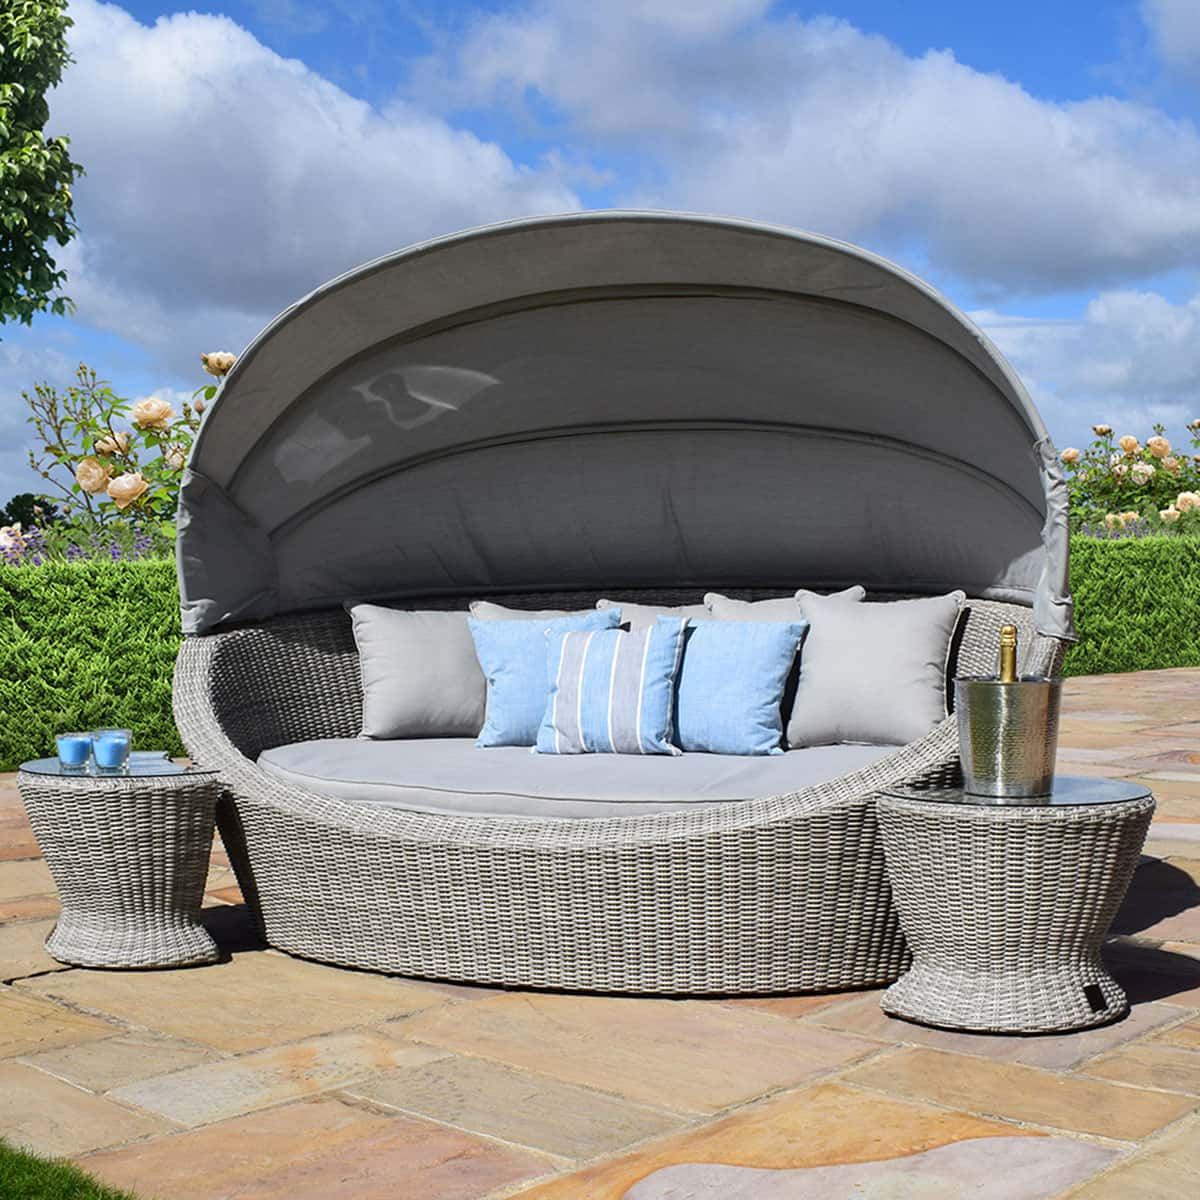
<point x="1040" y="163"/>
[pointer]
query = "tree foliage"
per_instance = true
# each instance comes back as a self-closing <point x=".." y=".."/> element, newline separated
<point x="36" y="171"/>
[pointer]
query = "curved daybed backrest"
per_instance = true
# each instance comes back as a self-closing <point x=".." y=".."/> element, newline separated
<point x="616" y="401"/>
<point x="297" y="678"/>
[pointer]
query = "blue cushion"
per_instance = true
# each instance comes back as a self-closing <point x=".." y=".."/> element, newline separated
<point x="731" y="685"/>
<point x="513" y="657"/>
<point x="612" y="691"/>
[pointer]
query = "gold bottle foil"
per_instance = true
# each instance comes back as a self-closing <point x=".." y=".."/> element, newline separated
<point x="1008" y="654"/>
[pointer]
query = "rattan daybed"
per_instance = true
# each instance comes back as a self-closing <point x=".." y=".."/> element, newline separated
<point x="634" y="405"/>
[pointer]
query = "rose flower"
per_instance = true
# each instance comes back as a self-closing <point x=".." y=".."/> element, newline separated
<point x="218" y="362"/>
<point x="127" y="488"/>
<point x="152" y="413"/>
<point x="92" y="475"/>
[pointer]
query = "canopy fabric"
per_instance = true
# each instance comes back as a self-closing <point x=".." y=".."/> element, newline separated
<point x="619" y="399"/>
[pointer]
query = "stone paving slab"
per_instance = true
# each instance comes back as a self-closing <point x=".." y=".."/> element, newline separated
<point x="24" y="877"/>
<point x="317" y="1150"/>
<point x="984" y="1168"/>
<point x="516" y="1106"/>
<point x="1186" y="1034"/>
<point x="110" y="1062"/>
<point x="1151" y="1064"/>
<point x="1018" y="1093"/>
<point x="1166" y="1168"/>
<point x="802" y="1006"/>
<point x="29" y="908"/>
<point x="50" y="1117"/>
<point x="215" y="1091"/>
<point x="1056" y="1052"/>
<point x="1149" y="971"/>
<point x="29" y="1024"/>
<point x="22" y="951"/>
<point x="16" y="839"/>
<point x="813" y="1127"/>
<point x="657" y="1052"/>
<point x="253" y="1001"/>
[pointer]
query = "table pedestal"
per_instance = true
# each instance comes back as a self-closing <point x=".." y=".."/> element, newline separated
<point x="129" y="856"/>
<point x="1005" y="909"/>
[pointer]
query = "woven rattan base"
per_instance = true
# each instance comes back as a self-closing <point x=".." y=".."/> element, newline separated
<point x="778" y="894"/>
<point x="1005" y="910"/>
<point x="129" y="857"/>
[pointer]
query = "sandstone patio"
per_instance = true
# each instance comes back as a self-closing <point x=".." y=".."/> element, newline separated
<point x="266" y="1076"/>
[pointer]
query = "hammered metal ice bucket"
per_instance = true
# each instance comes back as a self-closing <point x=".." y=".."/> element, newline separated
<point x="1007" y="735"/>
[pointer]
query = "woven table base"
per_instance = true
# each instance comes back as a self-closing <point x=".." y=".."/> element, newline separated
<point x="104" y="941"/>
<point x="129" y="857"/>
<point x="1073" y="996"/>
<point x="1005" y="910"/>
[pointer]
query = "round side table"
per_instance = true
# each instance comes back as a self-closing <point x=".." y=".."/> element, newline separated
<point x="129" y="855"/>
<point x="1004" y="904"/>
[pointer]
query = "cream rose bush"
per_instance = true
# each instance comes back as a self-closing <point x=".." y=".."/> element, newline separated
<point x="118" y="460"/>
<point x="1122" y="485"/>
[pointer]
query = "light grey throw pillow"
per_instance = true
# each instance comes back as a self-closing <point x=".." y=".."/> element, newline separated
<point x="643" y="616"/>
<point x="419" y="672"/>
<point x="872" y="672"/>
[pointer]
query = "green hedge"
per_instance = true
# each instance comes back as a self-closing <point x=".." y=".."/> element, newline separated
<point x="1137" y="604"/>
<point x="84" y="645"/>
<point x="93" y="643"/>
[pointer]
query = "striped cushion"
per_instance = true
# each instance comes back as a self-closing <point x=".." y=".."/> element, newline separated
<point x="612" y="691"/>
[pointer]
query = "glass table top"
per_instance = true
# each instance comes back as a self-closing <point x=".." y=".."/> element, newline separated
<point x="142" y="764"/>
<point x="1069" y="790"/>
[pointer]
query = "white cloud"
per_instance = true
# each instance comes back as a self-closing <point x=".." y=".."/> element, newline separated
<point x="1131" y="359"/>
<point x="1175" y="29"/>
<point x="225" y="181"/>
<point x="816" y="124"/>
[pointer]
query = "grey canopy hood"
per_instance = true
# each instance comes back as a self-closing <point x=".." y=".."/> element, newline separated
<point x="619" y="399"/>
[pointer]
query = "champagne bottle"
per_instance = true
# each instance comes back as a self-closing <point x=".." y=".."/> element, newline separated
<point x="1008" y="654"/>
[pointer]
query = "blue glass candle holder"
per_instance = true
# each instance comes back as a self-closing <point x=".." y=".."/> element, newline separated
<point x="110" y="748"/>
<point x="74" y="750"/>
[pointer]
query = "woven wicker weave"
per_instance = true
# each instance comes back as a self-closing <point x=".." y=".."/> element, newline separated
<point x="1005" y="910"/>
<point x="129" y="856"/>
<point x="786" y="893"/>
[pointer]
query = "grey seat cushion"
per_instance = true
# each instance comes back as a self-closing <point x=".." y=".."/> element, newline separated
<point x="450" y="775"/>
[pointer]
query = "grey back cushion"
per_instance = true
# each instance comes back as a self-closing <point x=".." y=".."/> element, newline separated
<point x="871" y="673"/>
<point x="874" y="672"/>
<point x="640" y="616"/>
<point x="419" y="672"/>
